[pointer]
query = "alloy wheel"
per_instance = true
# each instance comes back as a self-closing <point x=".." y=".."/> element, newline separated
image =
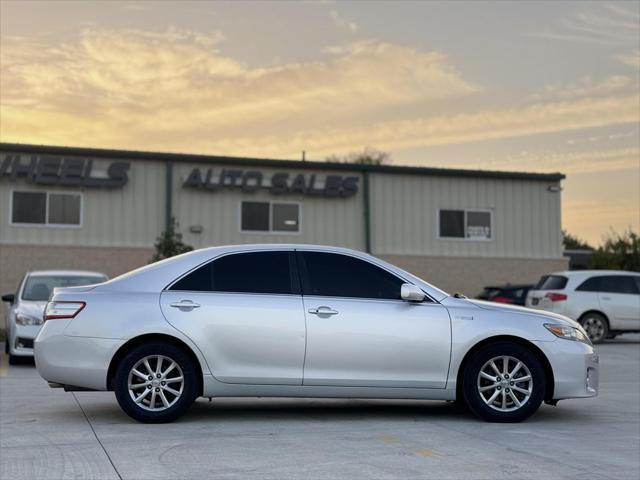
<point x="156" y="382"/>
<point x="594" y="327"/>
<point x="505" y="383"/>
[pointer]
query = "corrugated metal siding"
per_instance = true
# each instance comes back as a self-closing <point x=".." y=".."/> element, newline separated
<point x="128" y="216"/>
<point x="404" y="208"/>
<point x="327" y="221"/>
<point x="525" y="216"/>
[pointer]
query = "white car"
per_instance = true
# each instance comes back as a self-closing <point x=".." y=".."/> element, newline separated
<point x="605" y="302"/>
<point x="23" y="315"/>
<point x="304" y="321"/>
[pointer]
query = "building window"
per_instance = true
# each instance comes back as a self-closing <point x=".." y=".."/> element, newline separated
<point x="269" y="217"/>
<point x="255" y="216"/>
<point x="465" y="224"/>
<point x="46" y="208"/>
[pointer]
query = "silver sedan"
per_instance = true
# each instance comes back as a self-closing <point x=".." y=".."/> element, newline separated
<point x="304" y="321"/>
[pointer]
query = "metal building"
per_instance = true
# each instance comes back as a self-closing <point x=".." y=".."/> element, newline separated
<point x="103" y="210"/>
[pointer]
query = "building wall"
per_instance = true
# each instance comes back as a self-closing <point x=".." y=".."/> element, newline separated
<point x="324" y="220"/>
<point x="525" y="216"/>
<point x="120" y="225"/>
<point x="468" y="275"/>
<point x="131" y="216"/>
<point x="16" y="260"/>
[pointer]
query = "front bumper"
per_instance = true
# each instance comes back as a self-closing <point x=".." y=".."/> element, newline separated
<point x="21" y="339"/>
<point x="575" y="366"/>
<point x="75" y="361"/>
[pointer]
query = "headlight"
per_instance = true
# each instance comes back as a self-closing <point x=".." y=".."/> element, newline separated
<point x="22" y="319"/>
<point x="567" y="332"/>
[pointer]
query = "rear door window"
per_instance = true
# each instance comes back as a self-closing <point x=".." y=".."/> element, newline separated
<point x="619" y="284"/>
<point x="610" y="284"/>
<point x="552" y="282"/>
<point x="252" y="272"/>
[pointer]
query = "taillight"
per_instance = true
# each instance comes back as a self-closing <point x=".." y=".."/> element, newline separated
<point x="556" y="297"/>
<point x="503" y="300"/>
<point x="62" y="309"/>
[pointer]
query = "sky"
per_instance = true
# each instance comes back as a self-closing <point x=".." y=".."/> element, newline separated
<point x="522" y="86"/>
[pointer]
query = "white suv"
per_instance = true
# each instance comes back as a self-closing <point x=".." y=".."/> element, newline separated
<point x="605" y="302"/>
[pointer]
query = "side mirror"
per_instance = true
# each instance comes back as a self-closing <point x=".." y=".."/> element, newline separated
<point x="8" y="297"/>
<point x="411" y="293"/>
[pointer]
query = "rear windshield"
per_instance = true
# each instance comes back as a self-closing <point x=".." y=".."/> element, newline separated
<point x="38" y="287"/>
<point x="551" y="282"/>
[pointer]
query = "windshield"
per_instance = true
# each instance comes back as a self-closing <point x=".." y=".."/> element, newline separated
<point x="38" y="287"/>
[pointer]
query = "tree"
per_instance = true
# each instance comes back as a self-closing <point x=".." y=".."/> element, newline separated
<point x="369" y="156"/>
<point x="169" y="243"/>
<point x="572" y="242"/>
<point x="618" y="252"/>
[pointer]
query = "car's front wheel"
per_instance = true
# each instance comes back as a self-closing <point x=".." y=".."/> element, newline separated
<point x="596" y="326"/>
<point x="156" y="383"/>
<point x="504" y="382"/>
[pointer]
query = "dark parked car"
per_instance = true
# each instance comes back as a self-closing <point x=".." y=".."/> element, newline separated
<point x="513" y="294"/>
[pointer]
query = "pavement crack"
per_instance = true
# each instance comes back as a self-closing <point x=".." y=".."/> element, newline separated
<point x="96" y="436"/>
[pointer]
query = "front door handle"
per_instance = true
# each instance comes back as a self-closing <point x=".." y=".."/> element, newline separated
<point x="323" y="311"/>
<point x="606" y="298"/>
<point x="186" y="305"/>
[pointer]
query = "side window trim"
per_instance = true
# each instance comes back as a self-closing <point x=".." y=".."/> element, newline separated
<point x="293" y="272"/>
<point x="304" y="277"/>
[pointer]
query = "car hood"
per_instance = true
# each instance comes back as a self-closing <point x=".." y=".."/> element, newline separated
<point x="502" y="307"/>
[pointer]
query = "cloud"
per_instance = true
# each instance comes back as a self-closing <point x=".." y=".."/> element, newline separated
<point x="341" y="22"/>
<point x="572" y="162"/>
<point x="611" y="25"/>
<point x="631" y="59"/>
<point x="175" y="90"/>
<point x="139" y="84"/>
<point x="135" y="7"/>
<point x="588" y="87"/>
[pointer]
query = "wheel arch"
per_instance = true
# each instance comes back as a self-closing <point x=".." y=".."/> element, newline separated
<point x="546" y="365"/>
<point x="152" y="337"/>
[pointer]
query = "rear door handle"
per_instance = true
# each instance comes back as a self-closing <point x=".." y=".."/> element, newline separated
<point x="186" y="305"/>
<point x="323" y="311"/>
<point x="606" y="298"/>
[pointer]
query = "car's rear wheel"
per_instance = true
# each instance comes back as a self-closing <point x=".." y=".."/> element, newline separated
<point x="504" y="382"/>
<point x="156" y="383"/>
<point x="596" y="326"/>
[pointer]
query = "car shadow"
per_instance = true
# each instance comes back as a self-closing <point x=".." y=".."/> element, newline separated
<point x="350" y="410"/>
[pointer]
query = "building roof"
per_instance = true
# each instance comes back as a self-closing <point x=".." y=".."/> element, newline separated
<point x="267" y="162"/>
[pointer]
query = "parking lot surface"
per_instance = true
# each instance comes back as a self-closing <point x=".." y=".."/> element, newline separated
<point x="50" y="434"/>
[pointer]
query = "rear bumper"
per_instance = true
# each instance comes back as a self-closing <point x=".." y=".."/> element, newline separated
<point x="76" y="361"/>
<point x="575" y="366"/>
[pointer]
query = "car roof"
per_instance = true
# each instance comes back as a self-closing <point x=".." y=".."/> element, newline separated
<point x="65" y="273"/>
<point x="584" y="273"/>
<point x="156" y="276"/>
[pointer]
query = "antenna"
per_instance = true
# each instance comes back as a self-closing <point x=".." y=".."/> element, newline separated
<point x="304" y="155"/>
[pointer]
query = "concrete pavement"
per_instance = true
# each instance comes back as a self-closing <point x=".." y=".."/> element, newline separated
<point x="44" y="434"/>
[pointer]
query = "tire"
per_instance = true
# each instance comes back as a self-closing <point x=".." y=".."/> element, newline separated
<point x="14" y="360"/>
<point x="596" y="326"/>
<point x="157" y="403"/>
<point x="497" y="400"/>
